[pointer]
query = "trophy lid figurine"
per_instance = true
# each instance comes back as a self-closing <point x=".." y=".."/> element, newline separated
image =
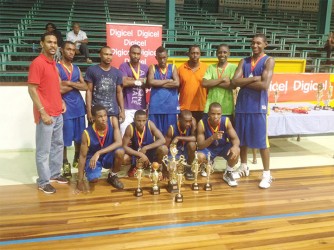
<point x="320" y="89"/>
<point x="276" y="95"/>
<point x="155" y="176"/>
<point x="139" y="173"/>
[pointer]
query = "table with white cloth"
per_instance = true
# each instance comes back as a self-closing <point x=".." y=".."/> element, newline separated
<point x="288" y="123"/>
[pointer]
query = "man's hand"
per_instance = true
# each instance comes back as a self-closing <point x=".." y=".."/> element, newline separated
<point x="93" y="160"/>
<point x="175" y="140"/>
<point x="46" y="118"/>
<point x="218" y="135"/>
<point x="81" y="187"/>
<point x="144" y="158"/>
<point x="121" y="116"/>
<point x="90" y="117"/>
<point x="234" y="153"/>
<point x="63" y="107"/>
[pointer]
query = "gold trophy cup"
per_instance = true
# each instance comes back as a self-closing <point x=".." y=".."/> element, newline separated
<point x="139" y="173"/>
<point x="195" y="168"/>
<point x="329" y="96"/>
<point x="155" y="175"/>
<point x="320" y="90"/>
<point x="276" y="95"/>
<point x="209" y="171"/>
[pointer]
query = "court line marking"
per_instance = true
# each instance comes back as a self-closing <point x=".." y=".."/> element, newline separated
<point x="170" y="226"/>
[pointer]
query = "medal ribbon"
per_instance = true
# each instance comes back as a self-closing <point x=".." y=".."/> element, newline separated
<point x="181" y="133"/>
<point x="253" y="64"/>
<point x="68" y="71"/>
<point x="222" y="71"/>
<point x="140" y="136"/>
<point x="212" y="129"/>
<point x="163" y="72"/>
<point x="104" y="136"/>
<point x="136" y="75"/>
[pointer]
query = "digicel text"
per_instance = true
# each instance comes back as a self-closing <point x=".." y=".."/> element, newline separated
<point x="147" y="34"/>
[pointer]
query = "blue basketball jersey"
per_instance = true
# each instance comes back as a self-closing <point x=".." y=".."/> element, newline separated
<point x="217" y="145"/>
<point x="251" y="100"/>
<point x="93" y="141"/>
<point x="164" y="100"/>
<point x="148" y="137"/>
<point x="75" y="105"/>
<point x="176" y="132"/>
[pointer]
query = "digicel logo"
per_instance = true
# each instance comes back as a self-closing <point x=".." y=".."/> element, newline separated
<point x="306" y="87"/>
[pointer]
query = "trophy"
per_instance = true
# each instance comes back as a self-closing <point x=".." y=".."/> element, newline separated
<point x="209" y="171"/>
<point x="329" y="96"/>
<point x="172" y="168"/>
<point x="195" y="168"/>
<point x="180" y="180"/>
<point x="276" y="95"/>
<point x="139" y="173"/>
<point x="155" y="175"/>
<point x="320" y="89"/>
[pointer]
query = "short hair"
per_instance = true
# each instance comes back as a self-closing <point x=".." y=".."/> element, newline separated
<point x="193" y="46"/>
<point x="185" y="112"/>
<point x="104" y="47"/>
<point x="134" y="46"/>
<point x="223" y="45"/>
<point x="214" y="105"/>
<point x="75" y="24"/>
<point x="96" y="108"/>
<point x="159" y="50"/>
<point x="47" y="34"/>
<point x="67" y="42"/>
<point x="50" y="24"/>
<point x="140" y="112"/>
<point x="261" y="35"/>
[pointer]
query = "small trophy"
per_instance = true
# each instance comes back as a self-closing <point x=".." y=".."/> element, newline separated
<point x="155" y="175"/>
<point x="139" y="173"/>
<point x="180" y="180"/>
<point x="320" y="89"/>
<point x="209" y="171"/>
<point x="171" y="168"/>
<point x="195" y="168"/>
<point x="329" y="96"/>
<point x="276" y="95"/>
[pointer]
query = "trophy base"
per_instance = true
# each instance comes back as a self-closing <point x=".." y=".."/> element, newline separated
<point x="275" y="108"/>
<point x="179" y="198"/>
<point x="195" y="186"/>
<point x="317" y="107"/>
<point x="138" y="192"/>
<point x="172" y="188"/>
<point x="155" y="190"/>
<point x="326" y="108"/>
<point x="207" y="187"/>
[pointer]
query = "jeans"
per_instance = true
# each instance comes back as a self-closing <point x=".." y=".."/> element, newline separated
<point x="49" y="150"/>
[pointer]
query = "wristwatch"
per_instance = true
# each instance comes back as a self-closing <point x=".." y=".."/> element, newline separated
<point x="138" y="83"/>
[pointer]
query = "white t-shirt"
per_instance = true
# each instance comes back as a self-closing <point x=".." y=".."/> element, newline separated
<point x="72" y="37"/>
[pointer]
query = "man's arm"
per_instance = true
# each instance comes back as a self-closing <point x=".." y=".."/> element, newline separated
<point x="153" y="82"/>
<point x="234" y="151"/>
<point x="89" y="96"/>
<point x="159" y="138"/>
<point x="82" y="157"/>
<point x="67" y="86"/>
<point x="221" y="82"/>
<point x="126" y="141"/>
<point x="120" y="101"/>
<point x="32" y="89"/>
<point x="204" y="143"/>
<point x="169" y="136"/>
<point x="238" y="80"/>
<point x="175" y="83"/>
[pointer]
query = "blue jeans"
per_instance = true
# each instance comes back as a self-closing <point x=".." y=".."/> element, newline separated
<point x="49" y="150"/>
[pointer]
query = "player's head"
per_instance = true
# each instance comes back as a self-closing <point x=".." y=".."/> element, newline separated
<point x="135" y="53"/>
<point x="161" y="56"/>
<point x="223" y="53"/>
<point x="215" y="112"/>
<point x="185" y="119"/>
<point x="76" y="27"/>
<point x="99" y="114"/>
<point x="105" y="54"/>
<point x="194" y="53"/>
<point x="259" y="43"/>
<point x="140" y="119"/>
<point x="68" y="50"/>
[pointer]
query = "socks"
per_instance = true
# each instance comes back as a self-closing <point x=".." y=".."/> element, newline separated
<point x="229" y="169"/>
<point x="266" y="173"/>
<point x="112" y="173"/>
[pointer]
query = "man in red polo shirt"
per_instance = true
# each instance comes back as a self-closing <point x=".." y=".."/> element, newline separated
<point x="44" y="90"/>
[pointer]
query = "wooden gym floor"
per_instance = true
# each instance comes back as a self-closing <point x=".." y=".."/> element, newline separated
<point x="297" y="212"/>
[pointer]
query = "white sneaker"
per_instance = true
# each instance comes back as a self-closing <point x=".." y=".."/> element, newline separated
<point x="242" y="171"/>
<point x="228" y="178"/>
<point x="203" y="173"/>
<point x="266" y="181"/>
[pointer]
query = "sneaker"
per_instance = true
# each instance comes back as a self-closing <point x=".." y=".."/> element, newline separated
<point x="228" y="178"/>
<point x="132" y="172"/>
<point x="115" y="182"/>
<point x="67" y="170"/>
<point x="75" y="163"/>
<point x="189" y="175"/>
<point x="266" y="181"/>
<point x="60" y="179"/>
<point x="204" y="173"/>
<point x="48" y="189"/>
<point x="242" y="171"/>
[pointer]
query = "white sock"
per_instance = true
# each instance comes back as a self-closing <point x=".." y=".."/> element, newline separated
<point x="244" y="165"/>
<point x="228" y="168"/>
<point x="266" y="173"/>
<point x="113" y="174"/>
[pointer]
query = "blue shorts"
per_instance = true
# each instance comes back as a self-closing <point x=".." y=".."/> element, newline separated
<point x="72" y="130"/>
<point x="151" y="155"/>
<point x="252" y="130"/>
<point x="162" y="122"/>
<point x="222" y="151"/>
<point x="105" y="161"/>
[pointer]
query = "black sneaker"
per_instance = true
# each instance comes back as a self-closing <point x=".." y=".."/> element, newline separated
<point x="189" y="175"/>
<point x="48" y="189"/>
<point x="115" y="182"/>
<point x="60" y="179"/>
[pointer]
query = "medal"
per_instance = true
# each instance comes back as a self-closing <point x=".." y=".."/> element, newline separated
<point x="140" y="137"/>
<point x="214" y="130"/>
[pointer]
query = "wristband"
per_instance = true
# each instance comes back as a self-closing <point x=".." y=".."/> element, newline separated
<point x="138" y="83"/>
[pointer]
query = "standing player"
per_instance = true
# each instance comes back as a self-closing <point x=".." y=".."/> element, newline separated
<point x="74" y="117"/>
<point x="134" y="79"/>
<point x="253" y="76"/>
